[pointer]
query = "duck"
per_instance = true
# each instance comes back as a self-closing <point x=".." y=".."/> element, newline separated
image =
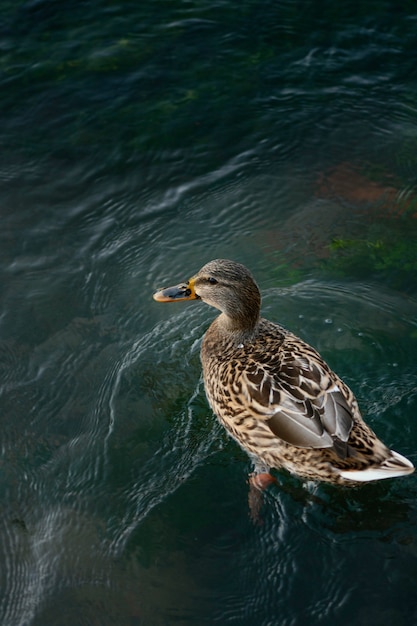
<point x="274" y="393"/>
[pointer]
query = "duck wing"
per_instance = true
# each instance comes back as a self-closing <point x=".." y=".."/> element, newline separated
<point x="301" y="403"/>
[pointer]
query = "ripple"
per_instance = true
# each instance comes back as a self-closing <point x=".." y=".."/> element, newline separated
<point x="39" y="556"/>
<point x="67" y="490"/>
<point x="166" y="149"/>
<point x="179" y="454"/>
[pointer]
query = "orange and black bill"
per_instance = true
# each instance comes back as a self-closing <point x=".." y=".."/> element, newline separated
<point x="184" y="291"/>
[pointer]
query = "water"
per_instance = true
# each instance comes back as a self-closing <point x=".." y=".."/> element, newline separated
<point x="140" y="140"/>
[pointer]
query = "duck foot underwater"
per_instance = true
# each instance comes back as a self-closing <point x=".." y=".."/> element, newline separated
<point x="258" y="482"/>
<point x="274" y="393"/>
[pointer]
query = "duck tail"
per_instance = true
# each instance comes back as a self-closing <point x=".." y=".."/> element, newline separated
<point x="394" y="465"/>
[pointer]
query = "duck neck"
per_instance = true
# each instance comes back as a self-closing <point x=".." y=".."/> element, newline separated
<point x="240" y="326"/>
<point x="240" y="315"/>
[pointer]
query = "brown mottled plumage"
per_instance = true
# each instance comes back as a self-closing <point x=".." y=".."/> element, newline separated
<point x="274" y="393"/>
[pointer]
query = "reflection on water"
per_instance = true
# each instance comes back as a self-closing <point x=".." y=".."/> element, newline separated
<point x="137" y="144"/>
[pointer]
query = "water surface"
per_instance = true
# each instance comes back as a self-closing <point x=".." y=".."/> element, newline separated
<point x="139" y="141"/>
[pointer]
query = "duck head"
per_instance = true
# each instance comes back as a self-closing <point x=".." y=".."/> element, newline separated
<point x="225" y="285"/>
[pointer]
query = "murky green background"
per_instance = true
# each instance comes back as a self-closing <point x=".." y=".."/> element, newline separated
<point x="138" y="141"/>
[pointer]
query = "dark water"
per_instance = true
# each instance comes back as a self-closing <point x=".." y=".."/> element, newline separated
<point x="138" y="141"/>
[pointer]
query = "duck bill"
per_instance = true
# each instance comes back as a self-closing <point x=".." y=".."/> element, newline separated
<point x="184" y="291"/>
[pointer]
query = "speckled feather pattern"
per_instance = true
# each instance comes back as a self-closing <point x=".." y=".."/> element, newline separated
<point x="282" y="369"/>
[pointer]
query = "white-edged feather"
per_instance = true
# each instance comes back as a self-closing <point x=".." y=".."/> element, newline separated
<point x="401" y="467"/>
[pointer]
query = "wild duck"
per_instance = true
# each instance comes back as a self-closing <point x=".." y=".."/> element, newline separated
<point x="274" y="393"/>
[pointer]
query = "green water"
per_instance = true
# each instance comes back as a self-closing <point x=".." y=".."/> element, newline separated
<point x="139" y="141"/>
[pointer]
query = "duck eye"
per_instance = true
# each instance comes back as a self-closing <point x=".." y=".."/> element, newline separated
<point x="212" y="280"/>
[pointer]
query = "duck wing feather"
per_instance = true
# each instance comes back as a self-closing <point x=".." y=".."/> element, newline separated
<point x="301" y="403"/>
